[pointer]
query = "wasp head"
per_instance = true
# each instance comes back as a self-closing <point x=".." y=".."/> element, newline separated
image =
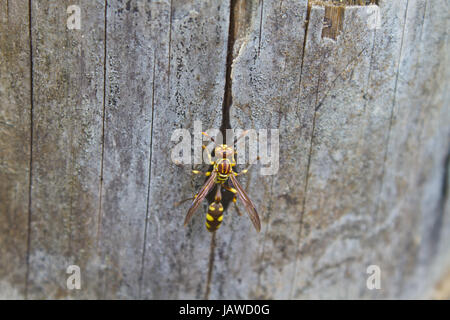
<point x="224" y="151"/>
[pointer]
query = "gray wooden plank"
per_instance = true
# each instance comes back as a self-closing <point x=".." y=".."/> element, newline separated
<point x="389" y="217"/>
<point x="364" y="149"/>
<point x="15" y="107"/>
<point x="191" y="88"/>
<point x="137" y="37"/>
<point x="266" y="76"/>
<point x="67" y="129"/>
<point x="415" y="171"/>
<point x="440" y="228"/>
<point x="380" y="102"/>
<point x="394" y="244"/>
<point x="333" y="222"/>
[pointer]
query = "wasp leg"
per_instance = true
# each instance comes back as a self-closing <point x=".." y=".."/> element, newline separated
<point x="177" y="204"/>
<point x="236" y="207"/>
<point x="194" y="171"/>
<point x="234" y="191"/>
<point x="208" y="173"/>
<point x="243" y="171"/>
<point x="207" y="135"/>
<point x="246" y="169"/>
<point x="228" y="188"/>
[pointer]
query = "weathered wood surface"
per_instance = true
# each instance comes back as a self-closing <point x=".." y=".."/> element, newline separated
<point x="15" y="117"/>
<point x="86" y="177"/>
<point x="66" y="147"/>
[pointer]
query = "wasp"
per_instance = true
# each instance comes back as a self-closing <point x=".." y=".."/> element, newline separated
<point x="222" y="172"/>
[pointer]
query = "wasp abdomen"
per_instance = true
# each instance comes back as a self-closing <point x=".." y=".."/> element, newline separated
<point x="214" y="216"/>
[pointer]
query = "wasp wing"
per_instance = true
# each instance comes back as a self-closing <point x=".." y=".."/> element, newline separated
<point x="200" y="196"/>
<point x="249" y="206"/>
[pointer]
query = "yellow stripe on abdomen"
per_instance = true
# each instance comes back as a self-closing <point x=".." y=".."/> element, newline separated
<point x="214" y="216"/>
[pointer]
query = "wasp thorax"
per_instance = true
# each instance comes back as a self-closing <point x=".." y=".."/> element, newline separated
<point x="223" y="166"/>
<point x="223" y="151"/>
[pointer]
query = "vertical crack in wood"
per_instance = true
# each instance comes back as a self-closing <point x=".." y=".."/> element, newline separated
<point x="369" y="75"/>
<point x="141" y="277"/>
<point x="305" y="191"/>
<point x="30" y="177"/>
<point x="332" y="83"/>
<point x="99" y="218"/>
<point x="394" y="101"/>
<point x="210" y="265"/>
<point x="436" y="229"/>
<point x="226" y="123"/>
<point x="260" y="26"/>
<point x="308" y="16"/>
<point x="227" y="98"/>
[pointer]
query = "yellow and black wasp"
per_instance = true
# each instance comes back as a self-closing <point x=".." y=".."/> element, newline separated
<point x="222" y="172"/>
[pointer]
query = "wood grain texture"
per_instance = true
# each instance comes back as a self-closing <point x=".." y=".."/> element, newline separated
<point x="158" y="79"/>
<point x="135" y="39"/>
<point x="266" y="77"/>
<point x="363" y="119"/>
<point x="15" y="115"/>
<point x="175" y="265"/>
<point x="332" y="200"/>
<point x="417" y="149"/>
<point x="66" y="159"/>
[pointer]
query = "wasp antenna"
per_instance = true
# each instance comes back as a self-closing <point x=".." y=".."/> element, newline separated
<point x="207" y="135"/>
